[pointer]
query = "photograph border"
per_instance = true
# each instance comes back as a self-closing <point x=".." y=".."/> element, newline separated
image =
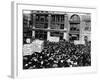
<point x="16" y="70"/>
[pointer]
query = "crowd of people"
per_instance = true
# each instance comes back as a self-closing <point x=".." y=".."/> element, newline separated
<point x="59" y="54"/>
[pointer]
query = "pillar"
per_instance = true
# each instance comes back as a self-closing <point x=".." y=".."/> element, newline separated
<point x="66" y="27"/>
<point x="34" y="18"/>
<point x="49" y="23"/>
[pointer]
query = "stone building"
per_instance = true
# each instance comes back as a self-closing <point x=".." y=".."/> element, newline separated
<point x="55" y="26"/>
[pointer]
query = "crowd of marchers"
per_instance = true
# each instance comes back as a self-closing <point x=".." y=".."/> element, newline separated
<point x="59" y="54"/>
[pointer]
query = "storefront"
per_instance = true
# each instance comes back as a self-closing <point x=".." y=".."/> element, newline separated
<point x="49" y="25"/>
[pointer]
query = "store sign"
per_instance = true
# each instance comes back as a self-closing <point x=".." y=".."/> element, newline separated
<point x="54" y="39"/>
<point x="76" y="42"/>
<point x="35" y="46"/>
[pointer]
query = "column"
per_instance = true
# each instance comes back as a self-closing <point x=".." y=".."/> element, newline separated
<point x="34" y="18"/>
<point x="81" y="38"/>
<point x="66" y="27"/>
<point x="49" y="23"/>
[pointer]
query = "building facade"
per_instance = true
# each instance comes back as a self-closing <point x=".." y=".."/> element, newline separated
<point x="55" y="26"/>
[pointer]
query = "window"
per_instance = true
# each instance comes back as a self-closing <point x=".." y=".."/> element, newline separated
<point x="74" y="26"/>
<point x="57" y="34"/>
<point x="87" y="26"/>
<point x="27" y="27"/>
<point x="41" y="21"/>
<point x="85" y="38"/>
<point x="57" y="21"/>
<point x="75" y="18"/>
<point x="40" y="34"/>
<point x="54" y="34"/>
<point x="73" y="37"/>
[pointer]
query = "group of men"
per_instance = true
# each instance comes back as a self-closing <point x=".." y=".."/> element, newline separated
<point x="59" y="54"/>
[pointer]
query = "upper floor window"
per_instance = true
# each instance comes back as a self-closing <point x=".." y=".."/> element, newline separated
<point x="75" y="18"/>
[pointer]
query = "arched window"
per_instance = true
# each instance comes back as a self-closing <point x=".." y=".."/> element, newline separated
<point x="74" y="27"/>
<point x="75" y="18"/>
